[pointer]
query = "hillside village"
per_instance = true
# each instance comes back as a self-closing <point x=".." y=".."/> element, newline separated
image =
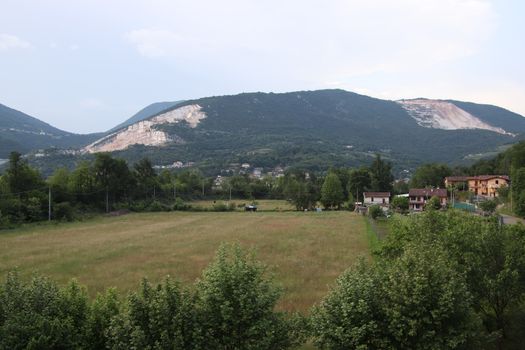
<point x="473" y="189"/>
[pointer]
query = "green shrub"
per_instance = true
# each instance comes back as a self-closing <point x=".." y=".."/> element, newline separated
<point x="238" y="302"/>
<point x="4" y="220"/>
<point x="63" y="211"/>
<point x="433" y="203"/>
<point x="488" y="206"/>
<point x="400" y="204"/>
<point x="375" y="211"/>
<point x="223" y="206"/>
<point x="180" y="205"/>
<point x="40" y="315"/>
<point x="161" y="317"/>
<point x="157" y="206"/>
<point x="419" y="301"/>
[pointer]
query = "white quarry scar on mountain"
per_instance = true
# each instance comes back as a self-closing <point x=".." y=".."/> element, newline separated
<point x="144" y="132"/>
<point x="445" y="115"/>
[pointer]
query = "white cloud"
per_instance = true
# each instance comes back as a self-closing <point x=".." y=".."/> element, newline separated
<point x="329" y="41"/>
<point x="11" y="42"/>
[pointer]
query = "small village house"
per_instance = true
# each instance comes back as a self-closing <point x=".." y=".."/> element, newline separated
<point x="376" y="198"/>
<point x="483" y="185"/>
<point x="418" y="197"/>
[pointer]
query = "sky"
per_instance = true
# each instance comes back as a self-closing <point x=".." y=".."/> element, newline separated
<point x="87" y="65"/>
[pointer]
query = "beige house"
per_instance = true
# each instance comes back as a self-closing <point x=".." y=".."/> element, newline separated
<point x="376" y="198"/>
<point x="483" y="185"/>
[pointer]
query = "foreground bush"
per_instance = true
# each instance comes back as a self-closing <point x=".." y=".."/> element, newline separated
<point x="238" y="302"/>
<point x="375" y="211"/>
<point x="418" y="302"/>
<point x="491" y="256"/>
<point x="231" y="307"/>
<point x="163" y="317"/>
<point x="40" y="315"/>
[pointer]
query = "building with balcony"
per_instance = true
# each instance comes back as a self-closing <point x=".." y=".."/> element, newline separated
<point x="483" y="185"/>
<point x="418" y="197"/>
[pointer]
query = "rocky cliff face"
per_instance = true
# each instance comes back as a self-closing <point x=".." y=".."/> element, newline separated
<point x="445" y="115"/>
<point x="145" y="133"/>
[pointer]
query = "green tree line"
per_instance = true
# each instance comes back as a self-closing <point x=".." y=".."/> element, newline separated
<point x="108" y="184"/>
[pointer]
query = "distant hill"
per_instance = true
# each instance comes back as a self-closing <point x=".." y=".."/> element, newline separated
<point x="145" y="113"/>
<point x="314" y="130"/>
<point x="23" y="133"/>
<point x="309" y="129"/>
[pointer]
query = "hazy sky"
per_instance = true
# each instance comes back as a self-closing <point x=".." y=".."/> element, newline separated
<point x="86" y="65"/>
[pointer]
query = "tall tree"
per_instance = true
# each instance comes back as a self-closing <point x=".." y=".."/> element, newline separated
<point x="20" y="177"/>
<point x="145" y="177"/>
<point x="381" y="175"/>
<point x="359" y="181"/>
<point x="430" y="175"/>
<point x="112" y="175"/>
<point x="332" y="194"/>
<point x="344" y="176"/>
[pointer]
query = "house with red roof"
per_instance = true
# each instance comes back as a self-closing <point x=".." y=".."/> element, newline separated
<point x="482" y="185"/>
<point x="418" y="197"/>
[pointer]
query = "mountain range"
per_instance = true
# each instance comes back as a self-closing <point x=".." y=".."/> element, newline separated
<point x="24" y="133"/>
<point x="307" y="129"/>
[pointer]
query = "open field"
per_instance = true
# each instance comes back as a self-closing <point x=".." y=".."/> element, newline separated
<point x="262" y="204"/>
<point x="305" y="251"/>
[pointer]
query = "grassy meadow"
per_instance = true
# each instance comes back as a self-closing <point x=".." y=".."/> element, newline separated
<point x="262" y="204"/>
<point x="305" y="251"/>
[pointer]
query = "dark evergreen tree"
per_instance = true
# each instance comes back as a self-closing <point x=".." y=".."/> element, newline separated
<point x="381" y="175"/>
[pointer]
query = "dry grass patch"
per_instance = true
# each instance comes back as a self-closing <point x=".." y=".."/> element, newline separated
<point x="305" y="251"/>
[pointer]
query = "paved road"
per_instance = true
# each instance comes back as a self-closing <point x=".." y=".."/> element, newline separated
<point x="510" y="220"/>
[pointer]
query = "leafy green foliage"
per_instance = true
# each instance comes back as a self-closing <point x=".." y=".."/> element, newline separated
<point x="359" y="181"/>
<point x="352" y="315"/>
<point x="39" y="315"/>
<point x="433" y="203"/>
<point x="417" y="302"/>
<point x="299" y="189"/>
<point x="430" y="175"/>
<point x="332" y="194"/>
<point x="490" y="256"/>
<point x="400" y="204"/>
<point x="488" y="206"/>
<point x="381" y="175"/>
<point x="158" y="318"/>
<point x="238" y="303"/>
<point x="375" y="211"/>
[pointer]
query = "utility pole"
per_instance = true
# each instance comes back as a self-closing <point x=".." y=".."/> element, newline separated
<point x="49" y="205"/>
<point x="511" y="209"/>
